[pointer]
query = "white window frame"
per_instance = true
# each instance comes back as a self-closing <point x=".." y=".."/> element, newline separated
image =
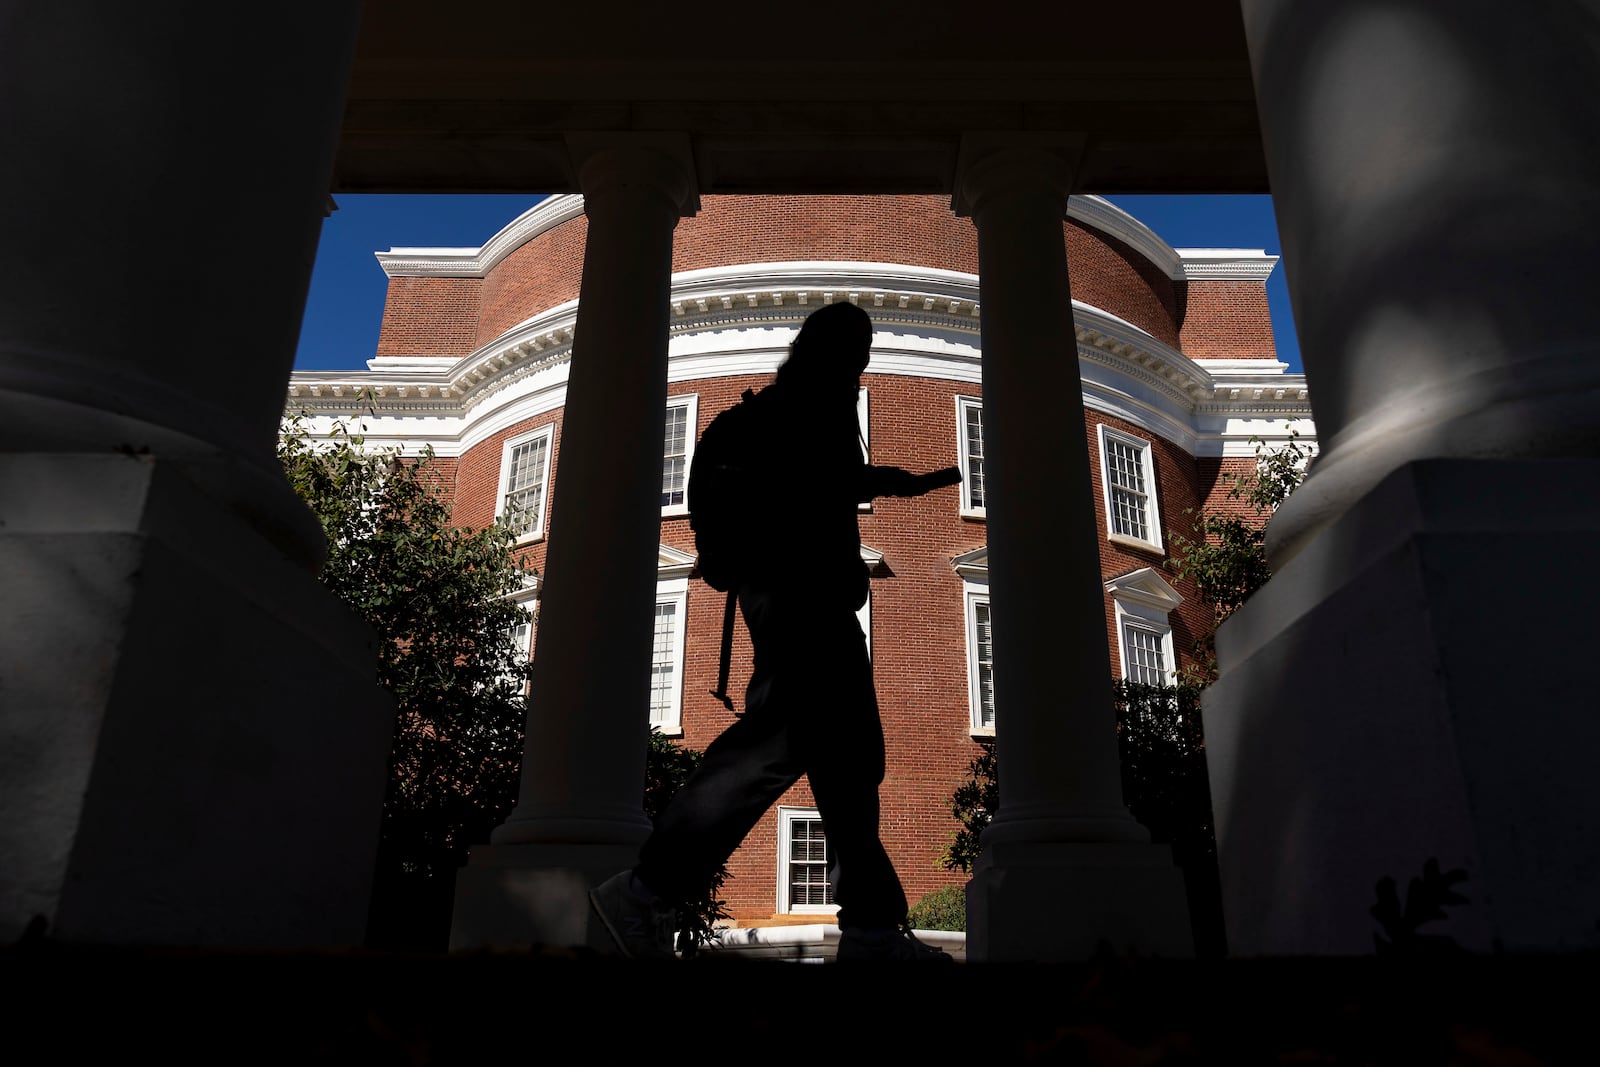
<point x="673" y="591"/>
<point x="963" y="448"/>
<point x="976" y="595"/>
<point x="863" y="426"/>
<point x="528" y="597"/>
<point x="1152" y="509"/>
<point x="536" y="531"/>
<point x="973" y="567"/>
<point x="1144" y="600"/>
<point x="690" y="401"/>
<point x="787" y="817"/>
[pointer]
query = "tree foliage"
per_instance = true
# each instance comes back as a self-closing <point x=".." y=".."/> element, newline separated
<point x="438" y="597"/>
<point x="1226" y="555"/>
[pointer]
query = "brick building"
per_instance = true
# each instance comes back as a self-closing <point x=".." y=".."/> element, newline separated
<point x="1179" y="372"/>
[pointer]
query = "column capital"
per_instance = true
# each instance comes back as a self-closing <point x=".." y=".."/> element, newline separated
<point x="990" y="163"/>
<point x="605" y="161"/>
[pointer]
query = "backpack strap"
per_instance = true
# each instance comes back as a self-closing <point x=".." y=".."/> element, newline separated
<point x="721" y="691"/>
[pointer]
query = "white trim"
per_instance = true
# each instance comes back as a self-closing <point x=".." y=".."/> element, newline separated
<point x="690" y="401"/>
<point x="673" y="563"/>
<point x="1150" y="491"/>
<point x="673" y="591"/>
<point x="477" y="262"/>
<point x="1144" y="600"/>
<point x="787" y="816"/>
<point x="536" y="531"/>
<point x="864" y="617"/>
<point x="973" y="567"/>
<point x="1225" y="264"/>
<point x="864" y="429"/>
<point x="964" y="458"/>
<point x="1101" y="214"/>
<point x="976" y="597"/>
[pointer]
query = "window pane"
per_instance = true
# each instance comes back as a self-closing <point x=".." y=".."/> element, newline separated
<point x="985" y="665"/>
<point x="525" y="485"/>
<point x="808" y="864"/>
<point x="1146" y="660"/>
<point x="974" y="432"/>
<point x="1125" y="476"/>
<point x="663" y="670"/>
<point x="674" y="464"/>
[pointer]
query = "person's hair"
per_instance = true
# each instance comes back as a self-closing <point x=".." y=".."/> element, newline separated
<point x="834" y="339"/>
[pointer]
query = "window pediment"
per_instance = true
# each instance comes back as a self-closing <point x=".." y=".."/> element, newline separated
<point x="1145" y="588"/>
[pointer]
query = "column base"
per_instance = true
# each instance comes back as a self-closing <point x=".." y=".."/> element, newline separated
<point x="1054" y="902"/>
<point x="516" y="896"/>
<point x="192" y="749"/>
<point x="1412" y="686"/>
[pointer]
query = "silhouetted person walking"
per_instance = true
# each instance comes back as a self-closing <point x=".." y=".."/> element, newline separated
<point x="810" y="707"/>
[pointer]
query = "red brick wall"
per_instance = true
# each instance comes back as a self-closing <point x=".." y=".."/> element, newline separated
<point x="453" y="316"/>
<point x="1227" y="320"/>
<point x="430" y="317"/>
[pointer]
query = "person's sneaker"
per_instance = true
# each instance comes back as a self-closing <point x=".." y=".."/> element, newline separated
<point x="896" y="943"/>
<point x="642" y="925"/>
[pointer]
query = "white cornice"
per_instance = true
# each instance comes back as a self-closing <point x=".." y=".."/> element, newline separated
<point x="477" y="262"/>
<point x="1226" y="264"/>
<point x="739" y="320"/>
<point x="672" y="562"/>
<point x="1101" y="214"/>
<point x="1092" y="211"/>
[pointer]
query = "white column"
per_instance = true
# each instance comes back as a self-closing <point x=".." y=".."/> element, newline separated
<point x="191" y="747"/>
<point x="580" y="818"/>
<point x="1062" y="831"/>
<point x="1401" y="689"/>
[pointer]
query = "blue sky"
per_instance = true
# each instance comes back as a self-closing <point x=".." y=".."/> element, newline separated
<point x="345" y="305"/>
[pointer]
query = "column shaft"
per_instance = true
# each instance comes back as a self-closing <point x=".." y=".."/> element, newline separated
<point x="1438" y="195"/>
<point x="1057" y="742"/>
<point x="1437" y="192"/>
<point x="192" y="749"/>
<point x="584" y="767"/>
<point x="1062" y="842"/>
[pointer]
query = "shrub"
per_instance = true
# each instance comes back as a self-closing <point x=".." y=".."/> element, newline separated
<point x="942" y="909"/>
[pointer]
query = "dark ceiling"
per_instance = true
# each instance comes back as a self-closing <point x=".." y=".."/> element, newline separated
<point x="476" y="95"/>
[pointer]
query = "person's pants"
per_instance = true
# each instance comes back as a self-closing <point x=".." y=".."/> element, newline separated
<point x="810" y="709"/>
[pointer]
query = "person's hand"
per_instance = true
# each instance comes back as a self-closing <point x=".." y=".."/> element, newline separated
<point x="940" y="478"/>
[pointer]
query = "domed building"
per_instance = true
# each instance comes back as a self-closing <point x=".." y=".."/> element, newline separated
<point x="1179" y="376"/>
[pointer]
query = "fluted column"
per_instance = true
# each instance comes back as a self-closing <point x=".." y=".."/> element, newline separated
<point x="1061" y="826"/>
<point x="580" y="817"/>
<point x="1437" y="190"/>
<point x="192" y="748"/>
<point x="1394" y="694"/>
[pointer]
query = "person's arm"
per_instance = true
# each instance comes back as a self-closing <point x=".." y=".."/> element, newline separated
<point x="896" y="481"/>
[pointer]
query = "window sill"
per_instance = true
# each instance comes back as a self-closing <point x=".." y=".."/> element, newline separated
<point x="668" y="729"/>
<point x="523" y="540"/>
<point x="977" y="514"/>
<point x="983" y="733"/>
<point x="1135" y="543"/>
<point x="676" y="511"/>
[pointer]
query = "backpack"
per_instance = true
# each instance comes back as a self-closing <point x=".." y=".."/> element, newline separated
<point x="720" y="498"/>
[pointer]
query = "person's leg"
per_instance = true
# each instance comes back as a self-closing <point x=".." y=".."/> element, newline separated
<point x="745" y="770"/>
<point x="842" y="741"/>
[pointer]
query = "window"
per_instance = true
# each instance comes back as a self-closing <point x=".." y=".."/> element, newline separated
<point x="521" y="633"/>
<point x="803" y="883"/>
<point x="678" y="454"/>
<point x="974" y="570"/>
<point x="861" y="429"/>
<point x="1129" y="473"/>
<point x="1144" y="652"/>
<point x="980" y="659"/>
<point x="969" y="424"/>
<point x="1143" y="602"/>
<point x="524" y="483"/>
<point x="666" y="656"/>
